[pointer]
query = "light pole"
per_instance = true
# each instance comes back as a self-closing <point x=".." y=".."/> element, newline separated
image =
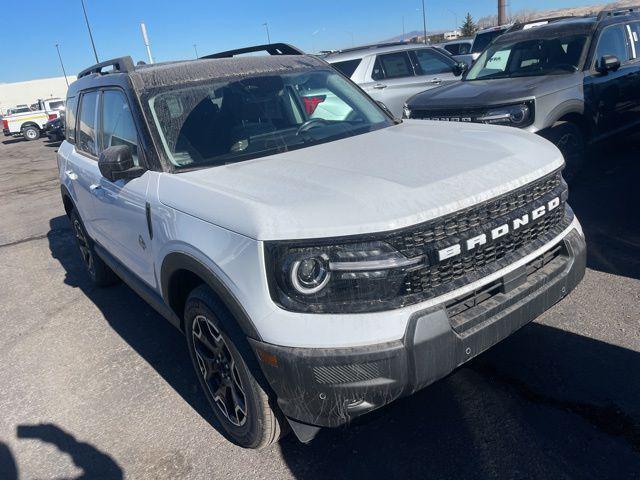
<point x="62" y="65"/>
<point x="424" y="22"/>
<point x="145" y="39"/>
<point x="455" y="15"/>
<point x="266" y="26"/>
<point x="403" y="28"/>
<point x="86" y="19"/>
<point x="195" y="49"/>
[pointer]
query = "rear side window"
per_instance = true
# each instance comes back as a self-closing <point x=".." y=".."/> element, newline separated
<point x="392" y="65"/>
<point x="70" y="119"/>
<point x="86" y="138"/>
<point x="117" y="123"/>
<point x="431" y="63"/>
<point x="57" y="105"/>
<point x="613" y="41"/>
<point x="348" y="67"/>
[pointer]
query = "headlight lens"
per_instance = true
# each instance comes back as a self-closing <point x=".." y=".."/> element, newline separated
<point x="336" y="278"/>
<point x="520" y="115"/>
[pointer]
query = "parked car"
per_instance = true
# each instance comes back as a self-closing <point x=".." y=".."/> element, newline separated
<point x="319" y="268"/>
<point x="29" y="123"/>
<point x="573" y="81"/>
<point x="54" y="129"/>
<point x="459" y="49"/>
<point x="391" y="73"/>
<point x="481" y="40"/>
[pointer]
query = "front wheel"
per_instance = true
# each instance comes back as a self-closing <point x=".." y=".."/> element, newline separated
<point x="31" y="133"/>
<point x="568" y="137"/>
<point x="228" y="373"/>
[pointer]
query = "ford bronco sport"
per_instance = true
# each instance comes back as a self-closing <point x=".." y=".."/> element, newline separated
<point x="321" y="262"/>
<point x="572" y="80"/>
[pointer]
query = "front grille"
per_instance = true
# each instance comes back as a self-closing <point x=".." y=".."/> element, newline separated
<point x="454" y="115"/>
<point x="413" y="241"/>
<point x="433" y="277"/>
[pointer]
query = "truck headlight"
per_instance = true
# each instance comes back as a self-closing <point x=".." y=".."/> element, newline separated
<point x="348" y="277"/>
<point x="520" y="115"/>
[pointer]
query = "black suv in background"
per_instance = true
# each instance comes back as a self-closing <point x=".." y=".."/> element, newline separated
<point x="573" y="81"/>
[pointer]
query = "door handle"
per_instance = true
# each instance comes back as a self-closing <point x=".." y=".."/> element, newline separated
<point x="95" y="187"/>
<point x="435" y="80"/>
<point x="71" y="174"/>
<point x="379" y="86"/>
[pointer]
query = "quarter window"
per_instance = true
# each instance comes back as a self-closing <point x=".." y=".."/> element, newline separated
<point x="118" y="127"/>
<point x="392" y="65"/>
<point x="86" y="141"/>
<point x="431" y="63"/>
<point x="70" y="119"/>
<point x="613" y="41"/>
<point x="348" y="67"/>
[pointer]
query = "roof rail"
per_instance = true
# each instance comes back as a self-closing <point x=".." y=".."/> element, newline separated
<point x="522" y="25"/>
<point x="270" y="48"/>
<point x="617" y="12"/>
<point x="371" y="46"/>
<point x="120" y="65"/>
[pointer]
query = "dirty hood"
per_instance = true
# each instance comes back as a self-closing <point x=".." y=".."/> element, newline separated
<point x="379" y="181"/>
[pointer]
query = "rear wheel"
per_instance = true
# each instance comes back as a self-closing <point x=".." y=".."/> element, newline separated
<point x="569" y="139"/>
<point x="229" y="374"/>
<point x="101" y="275"/>
<point x="30" y="133"/>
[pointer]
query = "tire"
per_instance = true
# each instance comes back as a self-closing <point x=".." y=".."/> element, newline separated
<point x="229" y="373"/>
<point x="569" y="139"/>
<point x="101" y="275"/>
<point x="31" y="133"/>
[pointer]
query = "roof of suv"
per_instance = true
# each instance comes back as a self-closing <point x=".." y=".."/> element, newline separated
<point x="360" y="52"/>
<point x="567" y="26"/>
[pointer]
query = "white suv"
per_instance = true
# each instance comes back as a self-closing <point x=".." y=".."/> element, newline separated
<point x="320" y="268"/>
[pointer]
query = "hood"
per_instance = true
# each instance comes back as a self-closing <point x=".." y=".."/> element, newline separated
<point x="383" y="180"/>
<point x="485" y="93"/>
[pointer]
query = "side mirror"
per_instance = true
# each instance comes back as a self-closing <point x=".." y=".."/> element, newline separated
<point x="608" y="63"/>
<point x="116" y="163"/>
<point x="460" y="68"/>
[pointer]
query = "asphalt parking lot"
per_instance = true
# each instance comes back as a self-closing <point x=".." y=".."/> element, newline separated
<point x="95" y="384"/>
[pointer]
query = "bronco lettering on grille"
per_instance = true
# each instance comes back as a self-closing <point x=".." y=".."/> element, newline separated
<point x="499" y="231"/>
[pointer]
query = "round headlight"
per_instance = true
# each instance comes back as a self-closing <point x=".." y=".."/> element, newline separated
<point x="519" y="114"/>
<point x="310" y="275"/>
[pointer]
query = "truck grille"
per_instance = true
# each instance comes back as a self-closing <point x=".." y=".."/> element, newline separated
<point x="436" y="277"/>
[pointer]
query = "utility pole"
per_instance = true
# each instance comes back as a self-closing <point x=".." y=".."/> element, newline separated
<point x="62" y="65"/>
<point x="403" y="28"/>
<point x="195" y="48"/>
<point x="145" y="39"/>
<point x="502" y="12"/>
<point x="266" y="26"/>
<point x="86" y="19"/>
<point x="424" y="22"/>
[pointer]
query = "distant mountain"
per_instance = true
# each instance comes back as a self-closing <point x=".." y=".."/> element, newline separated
<point x="413" y="33"/>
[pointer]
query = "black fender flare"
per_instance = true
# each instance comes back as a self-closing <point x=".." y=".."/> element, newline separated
<point x="176" y="261"/>
<point x="67" y="199"/>
<point x="30" y="124"/>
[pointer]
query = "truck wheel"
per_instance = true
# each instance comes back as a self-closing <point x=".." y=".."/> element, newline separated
<point x="101" y="275"/>
<point x="229" y="374"/>
<point x="568" y="137"/>
<point x="31" y="133"/>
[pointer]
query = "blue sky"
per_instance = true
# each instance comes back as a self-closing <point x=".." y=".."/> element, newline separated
<point x="214" y="25"/>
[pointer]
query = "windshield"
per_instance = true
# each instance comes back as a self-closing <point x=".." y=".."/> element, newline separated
<point x="483" y="40"/>
<point x="528" y="58"/>
<point x="229" y="121"/>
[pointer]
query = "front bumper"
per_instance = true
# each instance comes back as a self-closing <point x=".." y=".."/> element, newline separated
<point x="330" y="387"/>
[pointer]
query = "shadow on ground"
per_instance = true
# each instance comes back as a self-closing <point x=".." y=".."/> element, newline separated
<point x="93" y="462"/>
<point x="148" y="333"/>
<point x="605" y="197"/>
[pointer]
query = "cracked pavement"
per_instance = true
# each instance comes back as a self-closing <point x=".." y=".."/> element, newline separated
<point x="95" y="383"/>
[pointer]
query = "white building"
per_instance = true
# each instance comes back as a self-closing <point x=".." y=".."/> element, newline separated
<point x="18" y="93"/>
<point x="452" y="35"/>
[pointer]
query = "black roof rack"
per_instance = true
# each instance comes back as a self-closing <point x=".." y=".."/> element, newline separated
<point x="270" y="48"/>
<point x="617" y="12"/>
<point x="371" y="46"/>
<point x="120" y="65"/>
<point x="518" y="25"/>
